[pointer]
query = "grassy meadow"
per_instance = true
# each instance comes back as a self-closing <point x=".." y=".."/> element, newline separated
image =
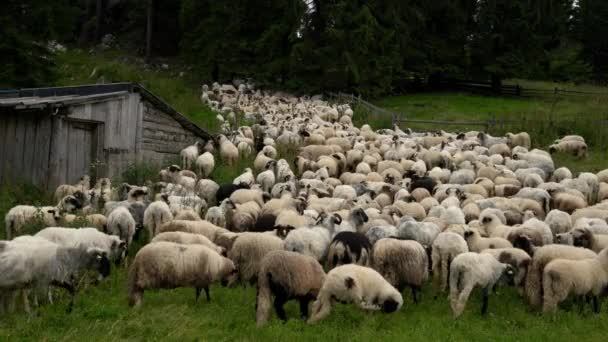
<point x="101" y="312"/>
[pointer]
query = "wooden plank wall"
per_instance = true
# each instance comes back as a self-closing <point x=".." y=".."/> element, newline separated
<point x="162" y="137"/>
<point x="25" y="145"/>
<point x="37" y="148"/>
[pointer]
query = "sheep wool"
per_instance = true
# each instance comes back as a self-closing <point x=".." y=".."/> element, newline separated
<point x="286" y="275"/>
<point x="168" y="265"/>
<point x="445" y="248"/>
<point x="122" y="224"/>
<point x="247" y="253"/>
<point x="469" y="270"/>
<point x="189" y="239"/>
<point x="403" y="263"/>
<point x="155" y="215"/>
<point x="563" y="277"/>
<point x="349" y="247"/>
<point x="356" y="284"/>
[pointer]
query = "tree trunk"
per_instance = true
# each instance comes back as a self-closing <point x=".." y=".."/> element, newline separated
<point x="98" y="20"/>
<point x="149" y="30"/>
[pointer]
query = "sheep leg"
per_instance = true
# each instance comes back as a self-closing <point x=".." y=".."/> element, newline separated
<point x="206" y="288"/>
<point x="596" y="304"/>
<point x="304" y="301"/>
<point x="198" y="293"/>
<point x="484" y="300"/>
<point x="278" y="307"/>
<point x="415" y="294"/>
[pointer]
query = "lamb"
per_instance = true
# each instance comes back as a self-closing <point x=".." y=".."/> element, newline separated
<point x="205" y="228"/>
<point x="64" y="190"/>
<point x="313" y="242"/>
<point x="423" y="232"/>
<point x="157" y="214"/>
<point x="579" y="277"/>
<point x="36" y="263"/>
<point x="189" y="239"/>
<point x="376" y="233"/>
<point x="228" y="152"/>
<point x="122" y="224"/>
<point x="445" y="248"/>
<point x="477" y="243"/>
<point x="520" y="139"/>
<point x="558" y="221"/>
<point x="205" y="163"/>
<point x="586" y="239"/>
<point x="171" y="265"/>
<point x="348" y="247"/>
<point x="247" y="253"/>
<point x="189" y="154"/>
<point x="577" y="148"/>
<point x="542" y="256"/>
<point x="112" y="246"/>
<point x="518" y="259"/>
<point x="286" y="275"/>
<point x="469" y="270"/>
<point x="402" y="263"/>
<point x="356" y="284"/>
<point x="19" y="216"/>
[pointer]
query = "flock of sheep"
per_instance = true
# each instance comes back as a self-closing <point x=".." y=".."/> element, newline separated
<point x="359" y="216"/>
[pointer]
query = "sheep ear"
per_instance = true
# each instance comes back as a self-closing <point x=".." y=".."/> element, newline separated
<point x="51" y="211"/>
<point x="349" y="283"/>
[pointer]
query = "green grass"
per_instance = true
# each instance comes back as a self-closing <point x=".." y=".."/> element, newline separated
<point x="545" y="120"/>
<point x="101" y="313"/>
<point x="76" y="67"/>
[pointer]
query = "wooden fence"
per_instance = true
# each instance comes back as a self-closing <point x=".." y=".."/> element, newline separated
<point x="544" y="129"/>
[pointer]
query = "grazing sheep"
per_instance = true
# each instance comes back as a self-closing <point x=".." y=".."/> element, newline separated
<point x="520" y="139"/>
<point x="113" y="247"/>
<point x="577" y="148"/>
<point x="355" y="284"/>
<point x="247" y="253"/>
<point x="584" y="277"/>
<point x="586" y="239"/>
<point x="477" y="243"/>
<point x="122" y="224"/>
<point x="35" y="263"/>
<point x="205" y="228"/>
<point x="19" y="216"/>
<point x="205" y="163"/>
<point x="348" y="248"/>
<point x="469" y="270"/>
<point x="423" y="232"/>
<point x="286" y="275"/>
<point x="558" y="221"/>
<point x="518" y="259"/>
<point x="445" y="248"/>
<point x="189" y="154"/>
<point x="168" y="265"/>
<point x="189" y="239"/>
<point x="403" y="263"/>
<point x="542" y="256"/>
<point x="313" y="242"/>
<point x="157" y="214"/>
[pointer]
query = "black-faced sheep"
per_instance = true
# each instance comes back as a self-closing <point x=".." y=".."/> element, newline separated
<point x="518" y="259"/>
<point x="355" y="284"/>
<point x="586" y="239"/>
<point x="349" y="248"/>
<point x="403" y="263"/>
<point x="286" y="275"/>
<point x="169" y="265"/>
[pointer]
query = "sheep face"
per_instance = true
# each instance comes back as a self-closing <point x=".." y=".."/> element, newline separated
<point x="230" y="276"/>
<point x="582" y="238"/>
<point x="71" y="203"/>
<point x="390" y="305"/>
<point x="508" y="275"/>
<point x="524" y="243"/>
<point x="98" y="261"/>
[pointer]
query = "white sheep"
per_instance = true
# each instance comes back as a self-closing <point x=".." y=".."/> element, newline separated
<point x="122" y="224"/>
<point x="446" y="246"/>
<point x="156" y="214"/>
<point x="359" y="285"/>
<point x="247" y="253"/>
<point x="17" y="217"/>
<point x="189" y="154"/>
<point x="171" y="265"/>
<point x="205" y="163"/>
<point x="469" y="270"/>
<point x="189" y="239"/>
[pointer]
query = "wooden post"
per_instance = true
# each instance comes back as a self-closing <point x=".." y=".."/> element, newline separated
<point x="149" y="29"/>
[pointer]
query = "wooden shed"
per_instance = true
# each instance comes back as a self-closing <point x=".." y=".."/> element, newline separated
<point x="51" y="136"/>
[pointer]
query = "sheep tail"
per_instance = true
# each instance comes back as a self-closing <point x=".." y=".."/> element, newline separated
<point x="263" y="299"/>
<point x="321" y="307"/>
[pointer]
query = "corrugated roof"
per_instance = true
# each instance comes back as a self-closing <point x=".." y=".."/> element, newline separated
<point x="56" y="97"/>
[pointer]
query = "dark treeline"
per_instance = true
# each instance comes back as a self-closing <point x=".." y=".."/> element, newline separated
<point x="371" y="47"/>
